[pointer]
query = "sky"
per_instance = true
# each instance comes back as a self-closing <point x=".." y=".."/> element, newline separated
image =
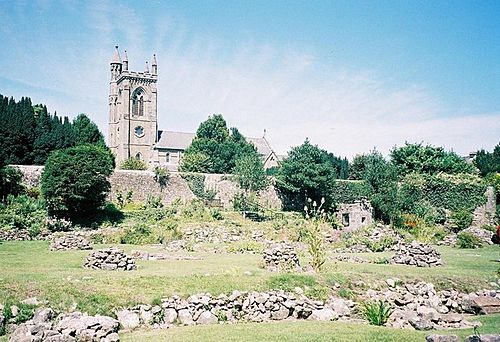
<point x="349" y="75"/>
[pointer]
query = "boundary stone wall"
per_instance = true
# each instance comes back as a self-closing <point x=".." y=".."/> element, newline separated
<point x="143" y="183"/>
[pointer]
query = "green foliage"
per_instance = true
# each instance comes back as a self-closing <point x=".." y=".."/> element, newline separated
<point x="153" y="202"/>
<point x="138" y="235"/>
<point x="215" y="148"/>
<point x="133" y="164"/>
<point x="29" y="133"/>
<point x="452" y="192"/>
<point x="242" y="202"/>
<point x="245" y="247"/>
<point x="249" y="171"/>
<point x="25" y="213"/>
<point x="75" y="180"/>
<point x="419" y="229"/>
<point x="340" y="165"/>
<point x="428" y="160"/>
<point x="10" y="182"/>
<point x="468" y="240"/>
<point x="123" y="199"/>
<point x="348" y="191"/>
<point x="25" y="313"/>
<point x="316" y="217"/>
<point x="380" y="177"/>
<point x="306" y="173"/>
<point x="162" y="176"/>
<point x="462" y="219"/>
<point x="87" y="132"/>
<point x="377" y="313"/>
<point x="195" y="162"/>
<point x="488" y="162"/>
<point x="196" y="183"/>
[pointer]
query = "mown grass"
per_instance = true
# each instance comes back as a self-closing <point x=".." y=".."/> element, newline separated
<point x="299" y="331"/>
<point x="30" y="269"/>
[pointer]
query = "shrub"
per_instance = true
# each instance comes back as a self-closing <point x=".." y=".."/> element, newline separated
<point x="462" y="219"/>
<point x="153" y="202"/>
<point x="138" y="235"/>
<point x="133" y="164"/>
<point x="26" y="312"/>
<point x="23" y="212"/>
<point x="376" y="313"/>
<point x="55" y="224"/>
<point x="122" y="199"/>
<point x="315" y="216"/>
<point x="10" y="182"/>
<point x="162" y="176"/>
<point x="75" y="180"/>
<point x="468" y="240"/>
<point x="196" y="183"/>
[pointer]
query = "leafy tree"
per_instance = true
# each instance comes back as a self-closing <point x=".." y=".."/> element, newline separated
<point x="75" y="180"/>
<point x="10" y="182"/>
<point x="428" y="159"/>
<point x="306" y="173"/>
<point x="357" y="167"/>
<point x="220" y="145"/>
<point x="381" y="177"/>
<point x="341" y="166"/>
<point x="488" y="162"/>
<point x="250" y="173"/>
<point x="87" y="132"/>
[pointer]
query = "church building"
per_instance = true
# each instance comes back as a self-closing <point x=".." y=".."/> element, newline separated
<point x="133" y="120"/>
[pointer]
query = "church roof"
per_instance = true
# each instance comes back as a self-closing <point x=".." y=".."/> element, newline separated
<point x="181" y="141"/>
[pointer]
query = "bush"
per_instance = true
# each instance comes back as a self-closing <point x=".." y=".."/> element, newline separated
<point x="462" y="219"/>
<point x="23" y="212"/>
<point x="468" y="240"/>
<point x="10" y="182"/>
<point x="377" y="313"/>
<point x="75" y="180"/>
<point x="133" y="164"/>
<point x="55" y="224"/>
<point x="162" y="176"/>
<point x="196" y="183"/>
<point x="26" y="312"/>
<point x="137" y="235"/>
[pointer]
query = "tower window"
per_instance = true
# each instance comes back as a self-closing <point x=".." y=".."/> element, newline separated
<point x="138" y="102"/>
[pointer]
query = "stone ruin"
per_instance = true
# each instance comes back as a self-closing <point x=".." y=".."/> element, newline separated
<point x="110" y="259"/>
<point x="76" y="326"/>
<point x="14" y="235"/>
<point x="355" y="215"/>
<point x="281" y="257"/>
<point x="417" y="254"/>
<point x="68" y="242"/>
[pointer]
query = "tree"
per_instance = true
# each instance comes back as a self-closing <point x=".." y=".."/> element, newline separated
<point x="306" y="173"/>
<point x="487" y="162"/>
<point x="86" y="131"/>
<point x="340" y="165"/>
<point x="250" y="173"/>
<point x="381" y="177"/>
<point x="220" y="145"/>
<point x="75" y="180"/>
<point x="428" y="159"/>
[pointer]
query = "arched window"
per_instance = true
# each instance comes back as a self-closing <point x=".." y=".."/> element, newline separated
<point x="138" y="102"/>
<point x="138" y="156"/>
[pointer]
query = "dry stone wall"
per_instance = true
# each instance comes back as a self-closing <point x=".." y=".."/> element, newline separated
<point x="143" y="183"/>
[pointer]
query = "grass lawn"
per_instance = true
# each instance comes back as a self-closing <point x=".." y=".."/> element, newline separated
<point x="30" y="269"/>
<point x="299" y="331"/>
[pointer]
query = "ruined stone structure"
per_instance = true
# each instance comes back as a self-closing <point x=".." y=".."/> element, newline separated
<point x="355" y="215"/>
<point x="133" y="120"/>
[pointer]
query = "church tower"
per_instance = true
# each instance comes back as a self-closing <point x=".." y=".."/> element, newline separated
<point x="133" y="125"/>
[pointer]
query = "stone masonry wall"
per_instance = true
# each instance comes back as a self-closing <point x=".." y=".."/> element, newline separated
<point x="142" y="184"/>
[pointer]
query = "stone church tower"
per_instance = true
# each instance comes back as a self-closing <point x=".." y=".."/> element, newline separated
<point x="133" y="125"/>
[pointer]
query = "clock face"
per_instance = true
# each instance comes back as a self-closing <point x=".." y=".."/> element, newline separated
<point x="139" y="131"/>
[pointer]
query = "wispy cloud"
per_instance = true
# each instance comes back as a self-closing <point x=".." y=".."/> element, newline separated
<point x="256" y="85"/>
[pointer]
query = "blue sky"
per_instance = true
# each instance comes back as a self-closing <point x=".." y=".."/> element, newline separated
<point x="349" y="75"/>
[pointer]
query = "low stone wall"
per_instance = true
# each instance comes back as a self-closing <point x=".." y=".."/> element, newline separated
<point x="110" y="259"/>
<point x="281" y="257"/>
<point x="75" y="326"/>
<point x="416" y="254"/>
<point x="14" y="235"/>
<point x="69" y="241"/>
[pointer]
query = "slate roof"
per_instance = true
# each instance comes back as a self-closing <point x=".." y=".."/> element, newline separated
<point x="181" y="140"/>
